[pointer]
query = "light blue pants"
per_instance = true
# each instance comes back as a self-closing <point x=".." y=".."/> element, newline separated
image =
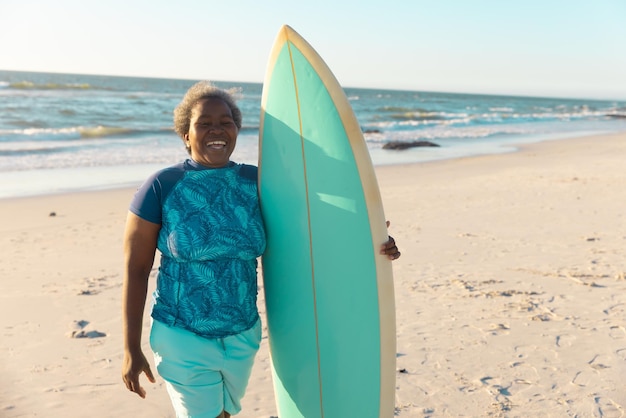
<point x="204" y="376"/>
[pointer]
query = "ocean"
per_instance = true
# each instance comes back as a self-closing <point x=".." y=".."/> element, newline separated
<point x="66" y="132"/>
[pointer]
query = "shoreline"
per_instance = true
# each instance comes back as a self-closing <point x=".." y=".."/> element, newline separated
<point x="60" y="181"/>
<point x="510" y="292"/>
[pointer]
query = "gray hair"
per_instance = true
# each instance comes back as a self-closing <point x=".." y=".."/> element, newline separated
<point x="201" y="91"/>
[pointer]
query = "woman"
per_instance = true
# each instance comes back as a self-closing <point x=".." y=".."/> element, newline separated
<point x="203" y="216"/>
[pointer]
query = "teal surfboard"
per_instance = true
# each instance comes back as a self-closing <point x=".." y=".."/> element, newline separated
<point x="329" y="293"/>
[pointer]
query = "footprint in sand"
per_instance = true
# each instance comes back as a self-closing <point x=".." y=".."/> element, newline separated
<point x="524" y="374"/>
<point x="606" y="407"/>
<point x="592" y="376"/>
<point x="498" y="329"/>
<point x="599" y="362"/>
<point x="581" y="378"/>
<point x="617" y="332"/>
<point x="94" y="285"/>
<point x="565" y="340"/>
<point x="614" y="310"/>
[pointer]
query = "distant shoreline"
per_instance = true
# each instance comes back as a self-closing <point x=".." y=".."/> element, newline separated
<point x="46" y="182"/>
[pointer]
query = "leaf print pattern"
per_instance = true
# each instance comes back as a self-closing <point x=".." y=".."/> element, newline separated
<point x="211" y="236"/>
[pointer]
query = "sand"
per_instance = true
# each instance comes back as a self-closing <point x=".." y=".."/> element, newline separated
<point x="510" y="293"/>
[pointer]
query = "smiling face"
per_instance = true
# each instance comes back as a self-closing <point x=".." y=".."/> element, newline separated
<point x="212" y="133"/>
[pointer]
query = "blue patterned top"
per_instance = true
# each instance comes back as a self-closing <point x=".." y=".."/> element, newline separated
<point x="211" y="235"/>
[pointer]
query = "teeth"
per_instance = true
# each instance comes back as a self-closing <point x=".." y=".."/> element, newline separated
<point x="214" y="143"/>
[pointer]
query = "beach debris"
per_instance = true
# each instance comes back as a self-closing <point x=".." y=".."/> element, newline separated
<point x="52" y="214"/>
<point x="76" y="327"/>
<point x="402" y="145"/>
<point x="77" y="330"/>
<point x="89" y="334"/>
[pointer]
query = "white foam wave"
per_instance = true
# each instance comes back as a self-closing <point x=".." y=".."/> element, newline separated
<point x="74" y="132"/>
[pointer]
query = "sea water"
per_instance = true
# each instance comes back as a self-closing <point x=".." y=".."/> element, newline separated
<point x="66" y="132"/>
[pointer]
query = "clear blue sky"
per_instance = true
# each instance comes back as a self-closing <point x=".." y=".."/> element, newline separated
<point x="566" y="48"/>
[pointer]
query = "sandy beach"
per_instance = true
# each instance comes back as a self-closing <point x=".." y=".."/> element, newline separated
<point x="510" y="293"/>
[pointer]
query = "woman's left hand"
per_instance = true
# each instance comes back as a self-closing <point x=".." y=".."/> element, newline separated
<point x="389" y="248"/>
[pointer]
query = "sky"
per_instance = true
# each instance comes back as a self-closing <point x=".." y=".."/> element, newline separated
<point x="557" y="48"/>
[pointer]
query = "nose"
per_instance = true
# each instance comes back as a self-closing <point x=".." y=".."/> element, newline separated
<point x="217" y="127"/>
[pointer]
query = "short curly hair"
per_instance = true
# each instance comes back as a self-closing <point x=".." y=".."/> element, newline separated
<point x="201" y="91"/>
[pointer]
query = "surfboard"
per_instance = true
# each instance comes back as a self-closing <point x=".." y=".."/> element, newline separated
<point x="329" y="293"/>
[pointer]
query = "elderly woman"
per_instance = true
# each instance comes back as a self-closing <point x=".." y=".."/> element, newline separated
<point x="203" y="216"/>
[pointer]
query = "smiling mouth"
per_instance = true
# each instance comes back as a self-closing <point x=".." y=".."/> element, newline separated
<point x="216" y="144"/>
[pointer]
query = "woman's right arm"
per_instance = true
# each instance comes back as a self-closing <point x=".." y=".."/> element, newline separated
<point x="140" y="242"/>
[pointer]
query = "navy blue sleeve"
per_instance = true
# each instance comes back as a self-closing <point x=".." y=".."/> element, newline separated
<point x="249" y="172"/>
<point x="148" y="201"/>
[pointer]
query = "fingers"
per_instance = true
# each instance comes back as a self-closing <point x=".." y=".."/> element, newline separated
<point x="132" y="384"/>
<point x="140" y="391"/>
<point x="149" y="375"/>
<point x="131" y="380"/>
<point x="390" y="249"/>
